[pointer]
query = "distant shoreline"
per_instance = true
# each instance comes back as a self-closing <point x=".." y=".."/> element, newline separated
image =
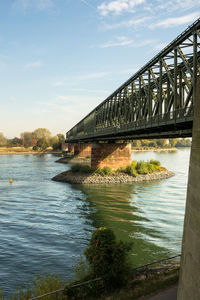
<point x="28" y="152"/>
<point x="154" y="149"/>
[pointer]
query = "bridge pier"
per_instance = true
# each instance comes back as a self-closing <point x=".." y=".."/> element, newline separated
<point x="189" y="282"/>
<point x="82" y="150"/>
<point x="113" y="155"/>
<point x="70" y="147"/>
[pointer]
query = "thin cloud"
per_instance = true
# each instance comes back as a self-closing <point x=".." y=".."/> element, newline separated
<point x="118" y="6"/>
<point x="130" y="23"/>
<point x="34" y="64"/>
<point x="124" y="41"/>
<point x="173" y="5"/>
<point x="170" y="22"/>
<point x="120" y="41"/>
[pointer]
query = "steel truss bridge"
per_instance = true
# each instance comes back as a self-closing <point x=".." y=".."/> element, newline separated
<point x="156" y="102"/>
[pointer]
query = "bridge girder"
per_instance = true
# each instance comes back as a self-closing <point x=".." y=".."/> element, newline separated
<point x="155" y="102"/>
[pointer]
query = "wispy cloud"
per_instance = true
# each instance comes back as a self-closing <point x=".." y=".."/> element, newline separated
<point x="119" y="42"/>
<point x="135" y="22"/>
<point x="118" y="6"/>
<point x="123" y="41"/>
<point x="169" y="22"/>
<point x="39" y="5"/>
<point x="34" y="64"/>
<point x="173" y="5"/>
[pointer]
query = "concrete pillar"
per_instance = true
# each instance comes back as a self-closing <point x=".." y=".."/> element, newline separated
<point x="71" y="147"/>
<point x="189" y="282"/>
<point x="113" y="155"/>
<point x="82" y="150"/>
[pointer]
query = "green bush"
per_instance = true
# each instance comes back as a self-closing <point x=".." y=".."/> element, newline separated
<point x="103" y="171"/>
<point x="142" y="167"/>
<point x="81" y="268"/>
<point x="134" y="163"/>
<point x="75" y="168"/>
<point x="130" y="170"/>
<point x="107" y="257"/>
<point x="39" y="286"/>
<point x="107" y="170"/>
<point x="85" y="169"/>
<point x="35" y="148"/>
<point x="99" y="171"/>
<point x="155" y="162"/>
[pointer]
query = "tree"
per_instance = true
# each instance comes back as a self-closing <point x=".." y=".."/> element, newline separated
<point x="162" y="143"/>
<point x="57" y="141"/>
<point x="16" y="142"/>
<point x="107" y="257"/>
<point x="42" y="133"/>
<point x="3" y="140"/>
<point x="42" y="143"/>
<point x="28" y="139"/>
<point x="173" y="142"/>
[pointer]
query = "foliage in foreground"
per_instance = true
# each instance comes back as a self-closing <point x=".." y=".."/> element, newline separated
<point x="106" y="261"/>
<point x="135" y="168"/>
<point x="40" y="285"/>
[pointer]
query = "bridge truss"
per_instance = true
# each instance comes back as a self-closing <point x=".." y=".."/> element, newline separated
<point x="157" y="101"/>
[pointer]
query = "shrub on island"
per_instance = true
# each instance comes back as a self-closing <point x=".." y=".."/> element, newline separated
<point x="134" y="169"/>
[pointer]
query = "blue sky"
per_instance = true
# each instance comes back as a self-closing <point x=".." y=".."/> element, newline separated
<point x="60" y="58"/>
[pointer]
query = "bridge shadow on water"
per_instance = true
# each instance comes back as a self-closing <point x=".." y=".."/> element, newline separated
<point x="121" y="208"/>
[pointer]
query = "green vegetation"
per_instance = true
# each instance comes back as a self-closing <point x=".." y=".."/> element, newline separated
<point x="161" y="143"/>
<point x="106" y="259"/>
<point x="133" y="169"/>
<point x="107" y="272"/>
<point x="141" y="167"/>
<point x="39" y="139"/>
<point x="88" y="170"/>
<point x="38" y="286"/>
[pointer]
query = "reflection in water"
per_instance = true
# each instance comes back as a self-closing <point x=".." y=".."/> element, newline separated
<point x="44" y="225"/>
<point x="149" y="214"/>
<point x="117" y="208"/>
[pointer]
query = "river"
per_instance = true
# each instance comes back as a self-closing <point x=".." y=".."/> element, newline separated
<point x="46" y="225"/>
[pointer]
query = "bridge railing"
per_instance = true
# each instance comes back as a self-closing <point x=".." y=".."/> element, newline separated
<point x="162" y="264"/>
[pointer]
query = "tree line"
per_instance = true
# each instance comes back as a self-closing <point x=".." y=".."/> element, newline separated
<point x="39" y="139"/>
<point x="162" y="143"/>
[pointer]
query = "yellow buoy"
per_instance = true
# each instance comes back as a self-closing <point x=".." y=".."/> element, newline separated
<point x="11" y="180"/>
<point x="32" y="162"/>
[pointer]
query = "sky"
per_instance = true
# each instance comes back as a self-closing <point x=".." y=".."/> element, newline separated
<point x="60" y="58"/>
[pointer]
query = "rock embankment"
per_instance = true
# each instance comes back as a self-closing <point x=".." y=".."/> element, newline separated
<point x="73" y="160"/>
<point x="83" y="178"/>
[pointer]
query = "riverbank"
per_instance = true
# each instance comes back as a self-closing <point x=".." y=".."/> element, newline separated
<point x="26" y="151"/>
<point x="144" y="149"/>
<point x="118" y="177"/>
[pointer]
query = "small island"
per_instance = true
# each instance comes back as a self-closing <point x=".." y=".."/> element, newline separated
<point x="135" y="172"/>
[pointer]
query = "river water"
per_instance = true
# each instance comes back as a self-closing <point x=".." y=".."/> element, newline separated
<point x="46" y="225"/>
